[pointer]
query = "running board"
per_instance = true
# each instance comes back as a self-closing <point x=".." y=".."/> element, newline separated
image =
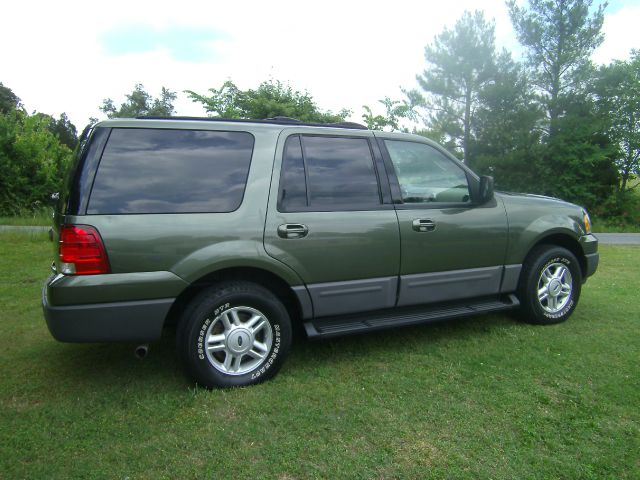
<point x="366" y="322"/>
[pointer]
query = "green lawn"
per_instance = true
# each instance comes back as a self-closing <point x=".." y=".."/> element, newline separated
<point x="486" y="397"/>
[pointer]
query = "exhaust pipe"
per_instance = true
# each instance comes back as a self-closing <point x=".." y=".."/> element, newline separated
<point x="141" y="351"/>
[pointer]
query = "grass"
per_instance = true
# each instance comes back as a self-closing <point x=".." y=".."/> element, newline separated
<point x="486" y="397"/>
<point x="38" y="217"/>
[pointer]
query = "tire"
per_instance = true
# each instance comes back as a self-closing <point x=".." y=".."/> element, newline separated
<point x="550" y="285"/>
<point x="234" y="334"/>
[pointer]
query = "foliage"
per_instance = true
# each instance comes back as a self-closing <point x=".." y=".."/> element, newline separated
<point x="484" y="397"/>
<point x="9" y="102"/>
<point x="62" y="129"/>
<point x="617" y="88"/>
<point x="140" y="103"/>
<point x="534" y="127"/>
<point x="460" y="63"/>
<point x="559" y="37"/>
<point x="270" y="99"/>
<point x="395" y="111"/>
<point x="32" y="162"/>
<point x="507" y="143"/>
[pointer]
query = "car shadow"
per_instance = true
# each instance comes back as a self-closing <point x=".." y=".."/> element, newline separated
<point x="115" y="365"/>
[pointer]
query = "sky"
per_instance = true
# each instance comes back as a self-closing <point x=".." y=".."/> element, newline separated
<point x="67" y="56"/>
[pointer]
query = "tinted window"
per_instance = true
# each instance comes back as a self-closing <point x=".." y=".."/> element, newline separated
<point x="169" y="171"/>
<point x="340" y="172"/>
<point x="426" y="175"/>
<point x="293" y="185"/>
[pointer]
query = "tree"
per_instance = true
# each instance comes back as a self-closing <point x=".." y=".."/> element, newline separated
<point x="617" y="90"/>
<point x="62" y="129"/>
<point x="32" y="162"/>
<point x="395" y="111"/>
<point x="9" y="102"/>
<point x="460" y="64"/>
<point x="139" y="103"/>
<point x="559" y="37"/>
<point x="507" y="143"/>
<point x="575" y="161"/>
<point x="270" y="99"/>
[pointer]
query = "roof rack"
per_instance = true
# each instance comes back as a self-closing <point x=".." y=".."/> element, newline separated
<point x="272" y="120"/>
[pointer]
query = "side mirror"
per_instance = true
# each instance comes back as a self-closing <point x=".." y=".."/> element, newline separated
<point x="486" y="189"/>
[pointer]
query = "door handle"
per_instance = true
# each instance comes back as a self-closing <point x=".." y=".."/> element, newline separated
<point x="424" y="225"/>
<point x="293" y="230"/>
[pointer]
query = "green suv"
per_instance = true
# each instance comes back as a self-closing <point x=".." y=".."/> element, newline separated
<point x="237" y="230"/>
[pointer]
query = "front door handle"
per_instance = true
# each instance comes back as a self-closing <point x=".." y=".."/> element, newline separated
<point x="293" y="230"/>
<point x="424" y="225"/>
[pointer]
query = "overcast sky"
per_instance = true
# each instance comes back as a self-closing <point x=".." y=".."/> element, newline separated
<point x="62" y="56"/>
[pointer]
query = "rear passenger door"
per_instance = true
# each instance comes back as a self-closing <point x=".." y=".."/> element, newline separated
<point x="330" y="218"/>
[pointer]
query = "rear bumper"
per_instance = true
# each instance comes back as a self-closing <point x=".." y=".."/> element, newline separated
<point x="135" y="321"/>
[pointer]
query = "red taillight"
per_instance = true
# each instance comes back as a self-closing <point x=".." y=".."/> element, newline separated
<point x="82" y="251"/>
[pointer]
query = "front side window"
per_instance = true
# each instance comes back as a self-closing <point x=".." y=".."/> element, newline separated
<point x="171" y="171"/>
<point x="338" y="173"/>
<point x="426" y="175"/>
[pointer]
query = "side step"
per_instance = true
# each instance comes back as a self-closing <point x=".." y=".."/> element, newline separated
<point x="366" y="322"/>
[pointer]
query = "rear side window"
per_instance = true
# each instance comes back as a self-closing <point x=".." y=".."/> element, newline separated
<point x="171" y="171"/>
<point x="293" y="193"/>
<point x="338" y="173"/>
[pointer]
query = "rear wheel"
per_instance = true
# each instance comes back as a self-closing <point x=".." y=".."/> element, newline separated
<point x="234" y="334"/>
<point x="550" y="285"/>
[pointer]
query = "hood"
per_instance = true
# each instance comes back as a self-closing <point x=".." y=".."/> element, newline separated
<point x="539" y="199"/>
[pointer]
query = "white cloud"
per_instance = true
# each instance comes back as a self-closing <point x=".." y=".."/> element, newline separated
<point x="345" y="54"/>
<point x="621" y="34"/>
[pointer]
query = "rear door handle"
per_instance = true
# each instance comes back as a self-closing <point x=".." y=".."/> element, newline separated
<point x="424" y="225"/>
<point x="293" y="230"/>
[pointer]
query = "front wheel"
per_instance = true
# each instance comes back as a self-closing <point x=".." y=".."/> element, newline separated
<point x="234" y="334"/>
<point x="549" y="286"/>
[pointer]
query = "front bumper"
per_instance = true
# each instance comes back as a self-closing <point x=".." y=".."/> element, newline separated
<point x="589" y="244"/>
<point x="591" y="264"/>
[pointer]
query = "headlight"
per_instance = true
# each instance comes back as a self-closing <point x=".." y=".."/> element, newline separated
<point x="586" y="221"/>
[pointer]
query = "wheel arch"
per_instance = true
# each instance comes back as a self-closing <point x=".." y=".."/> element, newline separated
<point x="563" y="240"/>
<point x="269" y="280"/>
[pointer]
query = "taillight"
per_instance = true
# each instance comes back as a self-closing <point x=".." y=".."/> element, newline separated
<point x="82" y="251"/>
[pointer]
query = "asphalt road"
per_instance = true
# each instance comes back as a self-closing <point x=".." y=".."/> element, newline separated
<point x="618" y="238"/>
<point x="604" y="238"/>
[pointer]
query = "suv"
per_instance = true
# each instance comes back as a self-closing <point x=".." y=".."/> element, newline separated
<point x="236" y="230"/>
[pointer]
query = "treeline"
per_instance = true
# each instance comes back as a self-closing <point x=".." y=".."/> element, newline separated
<point x="551" y="123"/>
<point x="35" y="152"/>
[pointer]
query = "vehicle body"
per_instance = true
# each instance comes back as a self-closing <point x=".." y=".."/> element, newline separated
<point x="213" y="223"/>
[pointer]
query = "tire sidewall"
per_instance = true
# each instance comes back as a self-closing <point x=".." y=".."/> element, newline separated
<point x="194" y="341"/>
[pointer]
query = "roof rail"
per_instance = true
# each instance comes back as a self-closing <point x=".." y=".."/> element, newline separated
<point x="274" y="120"/>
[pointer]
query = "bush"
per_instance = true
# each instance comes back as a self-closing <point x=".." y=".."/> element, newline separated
<point x="32" y="162"/>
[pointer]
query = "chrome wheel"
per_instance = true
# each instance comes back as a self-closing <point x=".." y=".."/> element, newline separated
<point x="555" y="286"/>
<point x="238" y="340"/>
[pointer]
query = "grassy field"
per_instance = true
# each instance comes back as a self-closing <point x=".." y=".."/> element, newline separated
<point x="486" y="397"/>
<point x="39" y="217"/>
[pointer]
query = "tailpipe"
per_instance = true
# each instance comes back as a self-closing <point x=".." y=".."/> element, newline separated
<point x="141" y="351"/>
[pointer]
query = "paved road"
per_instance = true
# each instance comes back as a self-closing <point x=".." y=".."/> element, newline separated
<point x="604" y="238"/>
<point x="618" y="238"/>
